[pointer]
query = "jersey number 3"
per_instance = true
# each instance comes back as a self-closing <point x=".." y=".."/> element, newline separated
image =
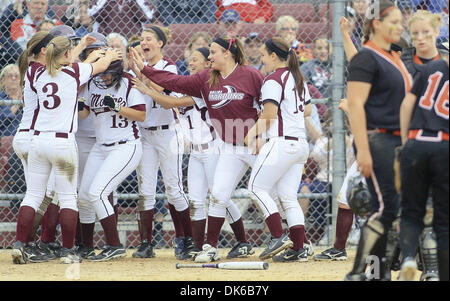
<point x="51" y="88"/>
<point x="427" y="101"/>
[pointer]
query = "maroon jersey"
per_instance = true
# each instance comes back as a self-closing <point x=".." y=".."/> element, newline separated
<point x="232" y="103"/>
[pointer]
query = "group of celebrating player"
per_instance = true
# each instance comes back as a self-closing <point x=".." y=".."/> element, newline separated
<point x="86" y="118"/>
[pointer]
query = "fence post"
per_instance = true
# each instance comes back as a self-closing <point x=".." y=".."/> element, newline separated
<point x="338" y="131"/>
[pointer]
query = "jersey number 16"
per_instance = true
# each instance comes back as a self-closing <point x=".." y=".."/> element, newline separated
<point x="427" y="101"/>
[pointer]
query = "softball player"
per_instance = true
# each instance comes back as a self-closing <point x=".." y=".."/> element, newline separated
<point x="53" y="143"/>
<point x="286" y="101"/>
<point x="116" y="108"/>
<point x="231" y="92"/>
<point x="31" y="59"/>
<point x="202" y="159"/>
<point x="162" y="143"/>
<point x="378" y="82"/>
<point x="424" y="116"/>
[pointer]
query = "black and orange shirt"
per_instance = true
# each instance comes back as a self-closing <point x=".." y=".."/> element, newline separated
<point x="389" y="79"/>
<point x="431" y="112"/>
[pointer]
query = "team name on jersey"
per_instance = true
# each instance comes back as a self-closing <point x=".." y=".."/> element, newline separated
<point x="97" y="103"/>
<point x="224" y="98"/>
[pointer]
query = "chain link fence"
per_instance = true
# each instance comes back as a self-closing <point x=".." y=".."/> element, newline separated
<point x="309" y="25"/>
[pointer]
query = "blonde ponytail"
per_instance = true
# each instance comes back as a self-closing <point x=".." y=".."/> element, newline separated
<point x="54" y="51"/>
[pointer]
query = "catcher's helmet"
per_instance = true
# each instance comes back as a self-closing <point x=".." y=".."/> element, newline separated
<point x="358" y="196"/>
<point x="116" y="69"/>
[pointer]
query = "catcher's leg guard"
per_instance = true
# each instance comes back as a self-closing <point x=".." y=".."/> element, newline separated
<point x="428" y="253"/>
<point x="391" y="251"/>
<point x="370" y="234"/>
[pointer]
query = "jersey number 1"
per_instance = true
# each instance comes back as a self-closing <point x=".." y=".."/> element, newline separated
<point x="427" y="101"/>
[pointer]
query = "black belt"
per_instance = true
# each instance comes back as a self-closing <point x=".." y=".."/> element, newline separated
<point x="24" y="130"/>
<point x="114" y="143"/>
<point x="286" y="138"/>
<point x="57" y="135"/>
<point x="154" y="128"/>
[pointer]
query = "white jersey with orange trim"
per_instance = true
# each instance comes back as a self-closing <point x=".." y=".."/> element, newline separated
<point x="110" y="126"/>
<point x="157" y="115"/>
<point x="30" y="97"/>
<point x="57" y="97"/>
<point x="279" y="87"/>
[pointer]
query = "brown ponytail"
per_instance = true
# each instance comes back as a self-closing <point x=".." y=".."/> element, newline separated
<point x="55" y="49"/>
<point x="292" y="62"/>
<point x="28" y="54"/>
<point x="384" y="5"/>
<point x="239" y="57"/>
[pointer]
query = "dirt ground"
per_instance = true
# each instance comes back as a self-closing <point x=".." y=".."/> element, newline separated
<point x="162" y="268"/>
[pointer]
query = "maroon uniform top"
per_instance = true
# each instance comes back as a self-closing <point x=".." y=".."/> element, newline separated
<point x="232" y="103"/>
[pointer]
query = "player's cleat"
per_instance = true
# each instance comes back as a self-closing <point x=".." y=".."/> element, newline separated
<point x="408" y="269"/>
<point x="178" y="245"/>
<point x="309" y="248"/>
<point x="109" y="253"/>
<point x="275" y="246"/>
<point x="208" y="254"/>
<point x="24" y="253"/>
<point x="430" y="276"/>
<point x="144" y="250"/>
<point x="290" y="255"/>
<point x="241" y="250"/>
<point x="188" y="246"/>
<point x="191" y="254"/>
<point x="331" y="254"/>
<point x="69" y="256"/>
<point x="85" y="252"/>
<point x="45" y="250"/>
<point x="18" y="253"/>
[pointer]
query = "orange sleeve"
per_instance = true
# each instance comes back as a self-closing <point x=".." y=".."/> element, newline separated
<point x="16" y="29"/>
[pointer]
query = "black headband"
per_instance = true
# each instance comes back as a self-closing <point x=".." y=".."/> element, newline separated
<point x="43" y="43"/>
<point x="137" y="43"/>
<point x="227" y="45"/>
<point x="160" y="34"/>
<point x="204" y="51"/>
<point x="274" y="48"/>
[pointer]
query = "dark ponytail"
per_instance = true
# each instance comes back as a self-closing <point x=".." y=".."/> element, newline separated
<point x="284" y="52"/>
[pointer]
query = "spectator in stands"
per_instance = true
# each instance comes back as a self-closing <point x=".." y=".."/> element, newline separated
<point x="126" y="17"/>
<point x="16" y="10"/>
<point x="46" y="25"/>
<point x="357" y="10"/>
<point x="407" y="8"/>
<point x="86" y="23"/>
<point x="119" y="42"/>
<point x="22" y="29"/>
<point x="186" y="12"/>
<point x="10" y="89"/>
<point x="287" y="27"/>
<point x="317" y="71"/>
<point x="198" y="40"/>
<point x="258" y="12"/>
<point x="230" y="23"/>
<point x="251" y="46"/>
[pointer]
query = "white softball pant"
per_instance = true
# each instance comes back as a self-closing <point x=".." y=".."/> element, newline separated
<point x="280" y="165"/>
<point x="351" y="172"/>
<point x="231" y="165"/>
<point x="201" y="168"/>
<point x="21" y="146"/>
<point x="47" y="151"/>
<point x="106" y="168"/>
<point x="162" y="148"/>
<point x="85" y="145"/>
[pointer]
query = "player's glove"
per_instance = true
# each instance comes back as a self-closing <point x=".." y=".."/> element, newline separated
<point x="109" y="102"/>
<point x="81" y="104"/>
<point x="397" y="168"/>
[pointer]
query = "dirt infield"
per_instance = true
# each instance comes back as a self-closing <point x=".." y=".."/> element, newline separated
<point x="162" y="268"/>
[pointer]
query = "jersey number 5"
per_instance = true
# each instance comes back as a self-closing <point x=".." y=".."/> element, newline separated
<point x="427" y="101"/>
<point x="56" y="100"/>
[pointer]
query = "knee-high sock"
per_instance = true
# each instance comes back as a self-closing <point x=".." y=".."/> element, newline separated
<point x="297" y="235"/>
<point x="214" y="226"/>
<point x="68" y="219"/>
<point x="176" y="221"/>
<point x="87" y="234"/>
<point x="198" y="232"/>
<point x="110" y="228"/>
<point x="146" y="221"/>
<point x="185" y="221"/>
<point x="25" y="219"/>
<point x="343" y="226"/>
<point x="239" y="231"/>
<point x="273" y="222"/>
<point x="50" y="221"/>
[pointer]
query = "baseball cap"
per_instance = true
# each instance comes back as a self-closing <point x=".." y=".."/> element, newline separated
<point x="253" y="36"/>
<point x="64" y="30"/>
<point x="230" y="15"/>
